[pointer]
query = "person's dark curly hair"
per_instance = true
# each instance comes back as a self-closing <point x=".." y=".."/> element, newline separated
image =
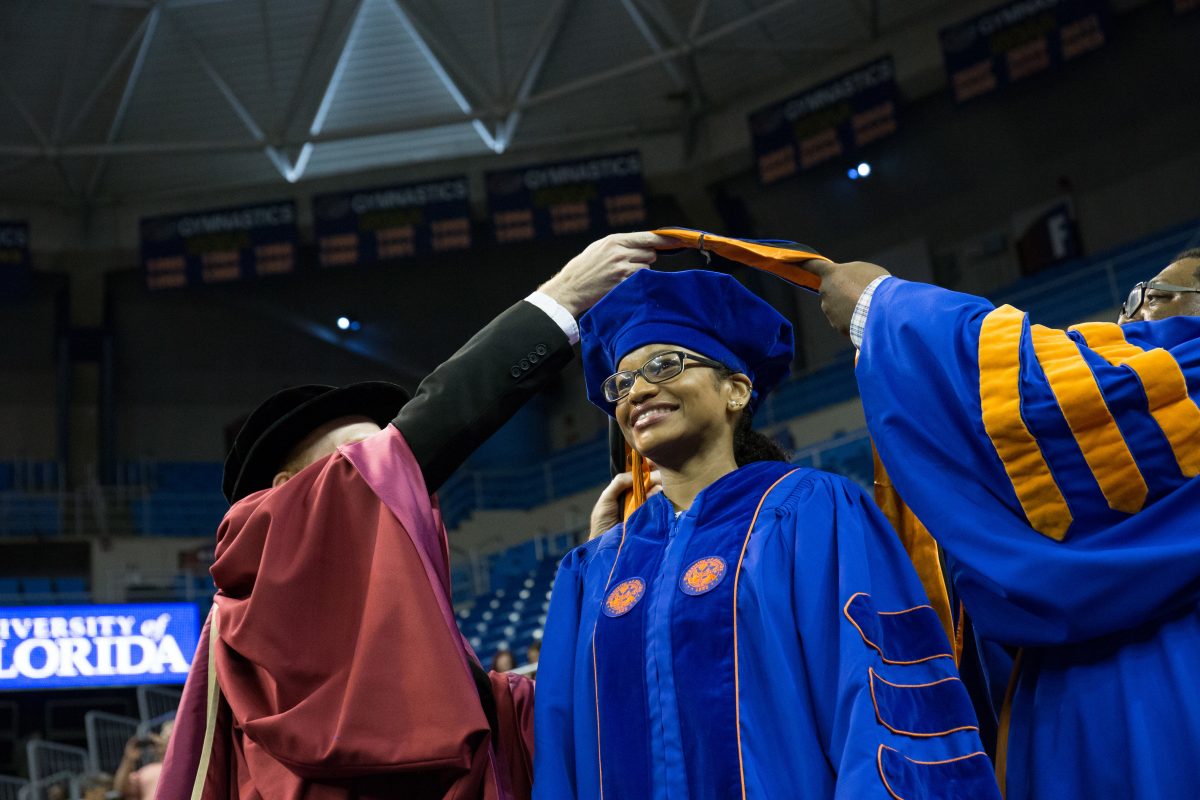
<point x="748" y="444"/>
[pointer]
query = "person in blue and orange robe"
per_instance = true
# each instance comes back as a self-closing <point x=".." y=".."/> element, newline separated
<point x="754" y="630"/>
<point x="1060" y="472"/>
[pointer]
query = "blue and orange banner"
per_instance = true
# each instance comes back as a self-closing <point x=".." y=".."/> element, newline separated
<point x="1019" y="40"/>
<point x="370" y="226"/>
<point x="219" y="245"/>
<point x="14" y="256"/>
<point x="832" y="120"/>
<point x="592" y="195"/>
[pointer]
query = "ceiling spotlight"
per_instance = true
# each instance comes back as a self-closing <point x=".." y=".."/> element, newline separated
<point x="852" y="173"/>
<point x="343" y="323"/>
<point x="864" y="170"/>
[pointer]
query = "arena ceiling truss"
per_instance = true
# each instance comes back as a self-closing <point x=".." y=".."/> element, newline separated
<point x="110" y="100"/>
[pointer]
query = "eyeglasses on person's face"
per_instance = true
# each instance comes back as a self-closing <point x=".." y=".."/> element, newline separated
<point x="660" y="367"/>
<point x="1137" y="296"/>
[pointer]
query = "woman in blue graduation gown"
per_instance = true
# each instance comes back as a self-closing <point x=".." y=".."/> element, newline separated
<point x="756" y="630"/>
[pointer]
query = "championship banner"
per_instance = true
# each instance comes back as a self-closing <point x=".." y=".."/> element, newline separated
<point x="1019" y="40"/>
<point x="1046" y="235"/>
<point x="831" y="120"/>
<point x="596" y="194"/>
<point x="374" y="225"/>
<point x="84" y="646"/>
<point x="14" y="256"/>
<point x="220" y="245"/>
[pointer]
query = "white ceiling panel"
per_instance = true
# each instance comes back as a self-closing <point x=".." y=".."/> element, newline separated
<point x="373" y="83"/>
<point x="355" y="155"/>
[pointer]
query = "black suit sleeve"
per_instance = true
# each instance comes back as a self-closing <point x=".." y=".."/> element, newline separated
<point x="465" y="400"/>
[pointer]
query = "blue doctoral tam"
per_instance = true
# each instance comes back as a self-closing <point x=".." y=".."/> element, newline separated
<point x="708" y="312"/>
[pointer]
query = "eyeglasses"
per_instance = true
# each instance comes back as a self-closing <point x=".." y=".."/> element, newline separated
<point x="661" y="367"/>
<point x="1137" y="295"/>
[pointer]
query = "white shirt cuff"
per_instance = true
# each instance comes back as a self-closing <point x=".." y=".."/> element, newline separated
<point x="858" y="320"/>
<point x="556" y="312"/>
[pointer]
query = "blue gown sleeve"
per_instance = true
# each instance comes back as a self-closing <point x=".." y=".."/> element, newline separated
<point x="1057" y="468"/>
<point x="894" y="718"/>
<point x="564" y="719"/>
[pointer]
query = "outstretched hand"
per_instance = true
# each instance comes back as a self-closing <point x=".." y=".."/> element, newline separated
<point x="841" y="286"/>
<point x="609" y="510"/>
<point x="602" y="265"/>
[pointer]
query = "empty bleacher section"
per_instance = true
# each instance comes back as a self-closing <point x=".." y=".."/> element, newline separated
<point x="165" y="498"/>
<point x="177" y="499"/>
<point x="44" y="591"/>
<point x="31" y="498"/>
<point x="512" y="614"/>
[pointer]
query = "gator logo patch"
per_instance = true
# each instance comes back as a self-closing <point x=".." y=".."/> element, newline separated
<point x="624" y="597"/>
<point x="703" y="575"/>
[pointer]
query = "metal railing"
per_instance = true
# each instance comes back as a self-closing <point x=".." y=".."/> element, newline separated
<point x="157" y="703"/>
<point x="13" y="788"/>
<point x="107" y="735"/>
<point x="70" y="787"/>
<point x="51" y="763"/>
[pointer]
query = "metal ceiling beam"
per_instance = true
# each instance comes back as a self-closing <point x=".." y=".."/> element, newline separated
<point x="551" y="28"/>
<point x="689" y="75"/>
<point x="458" y="67"/>
<point x="332" y="83"/>
<point x="493" y="15"/>
<point x="765" y="35"/>
<point x="277" y="159"/>
<point x="430" y="122"/>
<point x="637" y="65"/>
<point x="311" y="79"/>
<point x="112" y="149"/>
<point x="269" y="57"/>
<point x="131" y="44"/>
<point x="135" y="73"/>
<point x="697" y="20"/>
<point x="438" y="61"/>
<point x="142" y="5"/>
<point x="24" y="112"/>
<point x="651" y="36"/>
<point x="78" y="44"/>
<point x="683" y="72"/>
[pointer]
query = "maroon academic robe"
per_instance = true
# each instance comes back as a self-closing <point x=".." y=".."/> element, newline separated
<point x="330" y="665"/>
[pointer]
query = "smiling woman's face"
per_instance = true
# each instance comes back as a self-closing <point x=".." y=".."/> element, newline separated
<point x="670" y="422"/>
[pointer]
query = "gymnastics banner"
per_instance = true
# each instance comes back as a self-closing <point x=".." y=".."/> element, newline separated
<point x="595" y="194"/>
<point x="391" y="222"/>
<point x="219" y="246"/>
<point x="14" y="256"/>
<point x="828" y="121"/>
<point x="1019" y="40"/>
<point x="83" y="646"/>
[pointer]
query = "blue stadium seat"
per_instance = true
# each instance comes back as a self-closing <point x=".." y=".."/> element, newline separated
<point x="37" y="590"/>
<point x="10" y="590"/>
<point x="73" y="590"/>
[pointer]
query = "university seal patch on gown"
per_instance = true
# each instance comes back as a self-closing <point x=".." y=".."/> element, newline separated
<point x="735" y="673"/>
<point x="703" y="576"/>
<point x="624" y="597"/>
